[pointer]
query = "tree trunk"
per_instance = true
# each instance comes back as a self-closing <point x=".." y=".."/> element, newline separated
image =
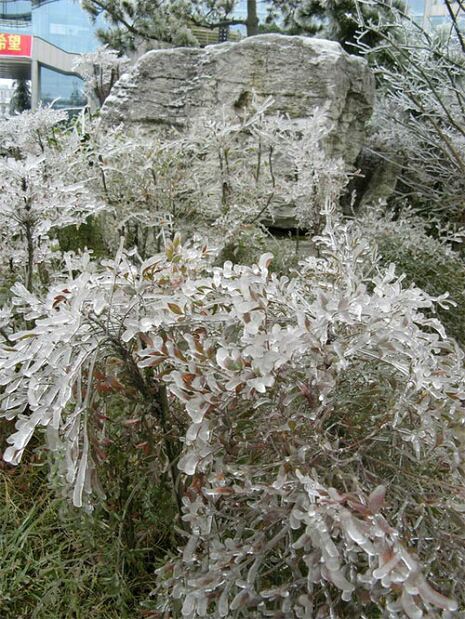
<point x="252" y="18"/>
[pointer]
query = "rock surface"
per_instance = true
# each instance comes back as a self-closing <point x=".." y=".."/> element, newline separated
<point x="375" y="182"/>
<point x="171" y="87"/>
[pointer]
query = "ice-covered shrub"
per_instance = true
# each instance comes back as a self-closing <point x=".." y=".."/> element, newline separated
<point x="312" y="426"/>
<point x="419" y="115"/>
<point x="222" y="178"/>
<point x="37" y="197"/>
<point x="100" y="70"/>
<point x="31" y="133"/>
<point x="304" y="433"/>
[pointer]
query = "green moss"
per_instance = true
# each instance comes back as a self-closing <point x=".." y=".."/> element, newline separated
<point x="433" y="268"/>
<point x="245" y="248"/>
<point x="88" y="235"/>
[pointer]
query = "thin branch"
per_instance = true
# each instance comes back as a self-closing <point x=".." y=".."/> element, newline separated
<point x="453" y="17"/>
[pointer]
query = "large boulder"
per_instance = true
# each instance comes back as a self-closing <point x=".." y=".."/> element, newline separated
<point x="172" y="87"/>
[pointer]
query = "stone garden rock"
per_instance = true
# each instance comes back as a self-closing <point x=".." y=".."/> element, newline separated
<point x="173" y="86"/>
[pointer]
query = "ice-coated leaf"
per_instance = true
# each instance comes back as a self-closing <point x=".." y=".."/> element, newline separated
<point x="240" y="599"/>
<point x="99" y="304"/>
<point x="202" y="606"/>
<point x="352" y="529"/>
<point x="376" y="499"/>
<point x="338" y="579"/>
<point x="25" y="429"/>
<point x="83" y="469"/>
<point x="222" y="358"/>
<point x="196" y="408"/>
<point x="188" y="463"/>
<point x="174" y="307"/>
<point x="410" y="608"/>
<point x="265" y="261"/>
<point x="189" y="605"/>
<point x="223" y="604"/>
<point x="383" y="570"/>
<point x="189" y="548"/>
<point x="302" y="541"/>
<point x="433" y="597"/>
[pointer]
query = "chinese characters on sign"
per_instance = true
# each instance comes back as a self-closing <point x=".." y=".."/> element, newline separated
<point x="15" y="44"/>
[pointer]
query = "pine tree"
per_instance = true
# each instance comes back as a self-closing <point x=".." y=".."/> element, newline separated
<point x="338" y="20"/>
<point x="171" y="21"/>
<point x="21" y="99"/>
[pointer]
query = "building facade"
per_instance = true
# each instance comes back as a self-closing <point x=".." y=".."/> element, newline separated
<point x="61" y="24"/>
<point x="433" y="13"/>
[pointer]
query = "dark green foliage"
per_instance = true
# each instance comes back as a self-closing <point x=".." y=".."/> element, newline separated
<point x="432" y="267"/>
<point x="334" y="19"/>
<point x="172" y="21"/>
<point x="88" y="235"/>
<point x="21" y="99"/>
<point x="144" y="20"/>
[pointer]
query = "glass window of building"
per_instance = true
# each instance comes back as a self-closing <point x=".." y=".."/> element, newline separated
<point x="64" y="24"/>
<point x="60" y="22"/>
<point x="417" y="7"/>
<point x="438" y="20"/>
<point x="63" y="91"/>
<point x="15" y="15"/>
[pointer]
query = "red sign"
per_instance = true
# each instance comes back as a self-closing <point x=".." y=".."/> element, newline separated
<point x="15" y="44"/>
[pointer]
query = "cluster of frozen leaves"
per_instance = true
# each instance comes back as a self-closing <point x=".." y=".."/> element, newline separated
<point x="280" y="501"/>
<point x="322" y="547"/>
<point x="418" y="234"/>
<point x="76" y="324"/>
<point x="256" y="165"/>
<point x="160" y="192"/>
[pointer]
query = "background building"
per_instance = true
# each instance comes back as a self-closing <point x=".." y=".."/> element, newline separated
<point x="432" y="13"/>
<point x="61" y="24"/>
